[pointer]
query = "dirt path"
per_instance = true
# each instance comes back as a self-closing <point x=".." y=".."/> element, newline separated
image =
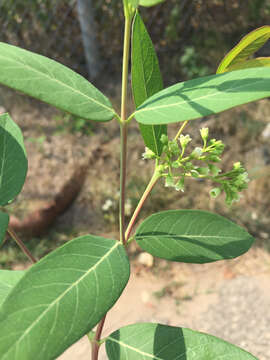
<point x="229" y="301"/>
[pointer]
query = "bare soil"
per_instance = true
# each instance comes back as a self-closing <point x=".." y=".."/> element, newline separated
<point x="228" y="299"/>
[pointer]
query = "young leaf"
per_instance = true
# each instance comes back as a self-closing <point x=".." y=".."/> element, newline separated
<point x="8" y="279"/>
<point x="53" y="83"/>
<point x="146" y="80"/>
<point x="204" y="96"/>
<point x="251" y="43"/>
<point x="4" y="219"/>
<point x="192" y="236"/>
<point x="258" y="62"/>
<point x="162" y="342"/>
<point x="62" y="297"/>
<point x="13" y="160"/>
<point x="149" y="3"/>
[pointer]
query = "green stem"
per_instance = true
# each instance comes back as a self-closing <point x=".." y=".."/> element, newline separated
<point x="123" y="156"/>
<point x="180" y="130"/>
<point x="21" y="245"/>
<point x="125" y="67"/>
<point x="123" y="166"/>
<point x="147" y="191"/>
<point x="123" y="162"/>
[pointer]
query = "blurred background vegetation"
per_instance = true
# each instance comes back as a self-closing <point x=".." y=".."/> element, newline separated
<point x="185" y="32"/>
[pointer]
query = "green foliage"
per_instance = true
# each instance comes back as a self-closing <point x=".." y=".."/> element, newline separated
<point x="192" y="236"/>
<point x="73" y="124"/>
<point x="191" y="65"/>
<point x="149" y="3"/>
<point x="204" y="96"/>
<point x="146" y="80"/>
<point x="4" y="219"/>
<point x="53" y="83"/>
<point x="68" y="292"/>
<point x="63" y="296"/>
<point x="8" y="279"/>
<point x="161" y="342"/>
<point x="244" y="49"/>
<point x="13" y="161"/>
<point x="201" y="163"/>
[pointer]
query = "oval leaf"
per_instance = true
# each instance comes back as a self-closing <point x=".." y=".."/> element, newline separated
<point x="251" y="43"/>
<point x="258" y="62"/>
<point x="62" y="297"/>
<point x="146" y="80"/>
<point x="53" y="83"/>
<point x="8" y="279"/>
<point x="4" y="219"/>
<point x="205" y="96"/>
<point x="192" y="236"/>
<point x="148" y="3"/>
<point x="13" y="161"/>
<point x="161" y="342"/>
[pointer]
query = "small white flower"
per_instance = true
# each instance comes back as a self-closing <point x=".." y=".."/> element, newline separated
<point x="107" y="205"/>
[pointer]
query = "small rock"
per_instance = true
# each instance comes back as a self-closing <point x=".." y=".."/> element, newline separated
<point x="146" y="259"/>
<point x="2" y="110"/>
<point x="263" y="235"/>
<point x="266" y="132"/>
<point x="254" y="216"/>
<point x="145" y="296"/>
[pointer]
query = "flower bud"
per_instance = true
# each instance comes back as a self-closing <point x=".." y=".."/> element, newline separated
<point x="215" y="192"/>
<point x="204" y="133"/>
<point x="148" y="154"/>
<point x="184" y="140"/>
<point x="196" y="153"/>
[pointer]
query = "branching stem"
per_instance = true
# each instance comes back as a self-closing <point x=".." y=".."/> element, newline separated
<point x="147" y="191"/>
<point x="180" y="130"/>
<point x="21" y="245"/>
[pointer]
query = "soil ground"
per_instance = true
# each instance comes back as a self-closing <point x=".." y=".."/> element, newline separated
<point x="229" y="300"/>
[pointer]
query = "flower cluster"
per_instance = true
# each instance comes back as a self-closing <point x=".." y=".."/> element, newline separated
<point x="201" y="163"/>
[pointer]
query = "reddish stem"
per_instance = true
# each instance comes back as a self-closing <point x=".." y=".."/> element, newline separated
<point x="19" y="242"/>
<point x="95" y="341"/>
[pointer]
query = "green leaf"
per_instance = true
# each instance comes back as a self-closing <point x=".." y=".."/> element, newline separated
<point x="62" y="297"/>
<point x="192" y="236"/>
<point x="146" y="80"/>
<point x="8" y="279"/>
<point x="134" y="3"/>
<point x="251" y="43"/>
<point x="161" y="342"/>
<point x="148" y="3"/>
<point x="13" y="160"/>
<point x="258" y="62"/>
<point x="53" y="83"/>
<point x="205" y="96"/>
<point x="4" y="219"/>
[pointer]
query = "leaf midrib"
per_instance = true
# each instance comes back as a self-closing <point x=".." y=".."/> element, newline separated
<point x="146" y="91"/>
<point x="59" y="298"/>
<point x="146" y="108"/>
<point x="186" y="236"/>
<point x="134" y="349"/>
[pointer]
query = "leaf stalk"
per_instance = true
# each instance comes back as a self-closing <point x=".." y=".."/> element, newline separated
<point x="21" y="245"/>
